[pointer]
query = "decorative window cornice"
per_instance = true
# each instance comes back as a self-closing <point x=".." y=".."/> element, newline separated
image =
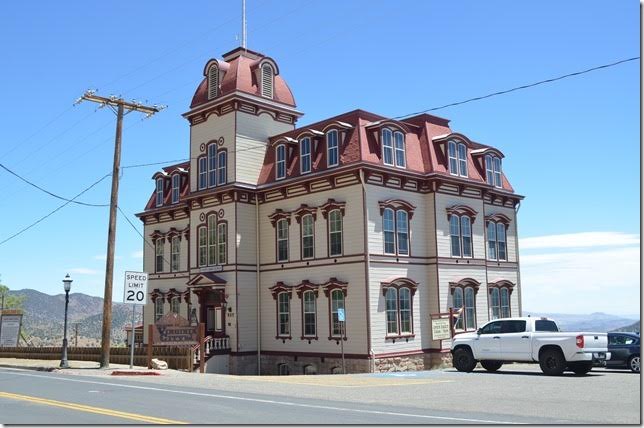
<point x="397" y="204"/>
<point x="334" y="284"/>
<point x="460" y="210"/>
<point x="307" y="285"/>
<point x="157" y="294"/>
<point x="279" y="288"/>
<point x="278" y="215"/>
<point x="501" y="283"/>
<point x="172" y="293"/>
<point x="186" y="233"/>
<point x="399" y="283"/>
<point x="157" y="235"/>
<point x="332" y="205"/>
<point x="172" y="233"/>
<point x="304" y="210"/>
<point x="465" y="283"/>
<point x="498" y="218"/>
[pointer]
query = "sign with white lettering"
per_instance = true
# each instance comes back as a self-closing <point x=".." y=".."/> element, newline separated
<point x="440" y="329"/>
<point x="136" y="285"/>
<point x="10" y="329"/>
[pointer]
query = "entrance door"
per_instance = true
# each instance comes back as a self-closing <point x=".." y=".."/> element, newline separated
<point x="215" y="320"/>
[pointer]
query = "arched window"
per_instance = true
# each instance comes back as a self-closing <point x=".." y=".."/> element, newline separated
<point x="404" y="296"/>
<point x="203" y="245"/>
<point x="282" y="240"/>
<point x="387" y="147"/>
<point x="391" y="310"/>
<point x="307" y="236"/>
<point x="309" y="314"/>
<point x="305" y="155"/>
<point x="493" y="170"/>
<point x="222" y="229"/>
<point x="495" y="303"/>
<point x="470" y="311"/>
<point x="505" y="303"/>
<point x="176" y="180"/>
<point x="402" y="232"/>
<point x="466" y="235"/>
<point x="335" y="233"/>
<point x="491" y="240"/>
<point x="399" y="146"/>
<point x="457" y="155"/>
<point x="280" y="162"/>
<point x="500" y="241"/>
<point x="457" y="303"/>
<point x="455" y="235"/>
<point x="267" y="81"/>
<point x="158" y="308"/>
<point x="174" y="253"/>
<point x="464" y="302"/>
<point x="221" y="175"/>
<point x="337" y="302"/>
<point x="500" y="299"/>
<point x="332" y="148"/>
<point x="159" y="192"/>
<point x="213" y="82"/>
<point x="203" y="173"/>
<point x="283" y="314"/>
<point x="212" y="239"/>
<point x="174" y="305"/>
<point x="212" y="165"/>
<point x="388" y="227"/>
<point x="159" y="256"/>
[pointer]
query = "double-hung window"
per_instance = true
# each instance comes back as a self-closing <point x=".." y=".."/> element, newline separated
<point x="307" y="236"/>
<point x="282" y="240"/>
<point x="493" y="170"/>
<point x="395" y="226"/>
<point x="174" y="253"/>
<point x="159" y="256"/>
<point x="464" y="302"/>
<point x="457" y="155"/>
<point x="398" y="310"/>
<point x="158" y="308"/>
<point x="176" y="180"/>
<point x="309" y="313"/>
<point x="496" y="241"/>
<point x="202" y="233"/>
<point x="284" y="314"/>
<point x="221" y="242"/>
<point x="332" y="148"/>
<point x="389" y="227"/>
<point x="335" y="233"/>
<point x="505" y="303"/>
<point x="399" y="142"/>
<point x="280" y="162"/>
<point x="212" y="165"/>
<point x="221" y="171"/>
<point x="212" y="239"/>
<point x="159" y="192"/>
<point x="202" y="181"/>
<point x="174" y="305"/>
<point x="305" y="155"/>
<point x="500" y="302"/>
<point x="460" y="231"/>
<point x="387" y="147"/>
<point x="337" y="302"/>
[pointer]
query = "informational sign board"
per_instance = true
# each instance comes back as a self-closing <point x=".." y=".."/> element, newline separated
<point x="440" y="329"/>
<point x="341" y="314"/>
<point x="136" y="285"/>
<point x="173" y="329"/>
<point x="10" y="329"/>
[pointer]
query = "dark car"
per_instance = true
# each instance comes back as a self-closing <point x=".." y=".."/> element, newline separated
<point x="625" y="351"/>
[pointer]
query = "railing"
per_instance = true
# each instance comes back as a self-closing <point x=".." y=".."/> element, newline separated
<point x="210" y="344"/>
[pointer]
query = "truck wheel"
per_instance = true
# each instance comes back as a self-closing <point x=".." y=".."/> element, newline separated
<point x="581" y="368"/>
<point x="634" y="363"/>
<point x="463" y="360"/>
<point x="491" y="365"/>
<point x="552" y="362"/>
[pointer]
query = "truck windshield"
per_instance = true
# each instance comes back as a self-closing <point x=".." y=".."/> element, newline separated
<point x="545" y="325"/>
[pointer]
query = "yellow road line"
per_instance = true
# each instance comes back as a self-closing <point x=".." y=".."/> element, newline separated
<point x="90" y="409"/>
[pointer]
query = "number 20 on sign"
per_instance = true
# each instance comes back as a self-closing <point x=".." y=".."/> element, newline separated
<point x="136" y="284"/>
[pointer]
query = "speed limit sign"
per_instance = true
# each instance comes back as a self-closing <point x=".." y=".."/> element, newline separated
<point x="136" y="285"/>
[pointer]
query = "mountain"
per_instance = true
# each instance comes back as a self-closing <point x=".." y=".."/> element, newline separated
<point x="630" y="328"/>
<point x="595" y="322"/>
<point x="43" y="319"/>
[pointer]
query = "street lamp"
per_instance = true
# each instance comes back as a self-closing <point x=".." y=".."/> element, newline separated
<point x="67" y="283"/>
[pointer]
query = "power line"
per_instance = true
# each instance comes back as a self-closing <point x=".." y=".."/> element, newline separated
<point x="140" y="234"/>
<point x="48" y="192"/>
<point x="530" y="85"/>
<point x="54" y="211"/>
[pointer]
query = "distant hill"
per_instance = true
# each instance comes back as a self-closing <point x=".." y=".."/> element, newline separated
<point x="44" y="318"/>
<point x="630" y="328"/>
<point x="595" y="322"/>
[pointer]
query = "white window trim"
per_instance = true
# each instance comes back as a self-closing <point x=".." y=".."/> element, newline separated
<point x="384" y="240"/>
<point x="460" y="160"/>
<point x="222" y="260"/>
<point x="213" y="77"/>
<point x="344" y="306"/>
<point x="388" y="147"/>
<point x="312" y="235"/>
<point x="175" y="255"/>
<point x="462" y="236"/>
<point x="396" y="312"/>
<point x="277" y="226"/>
<point x="304" y="313"/>
<point x="176" y="184"/>
<point x="460" y="242"/>
<point x="202" y="249"/>
<point x="202" y="172"/>
<point x="403" y="150"/>
<point x="450" y="157"/>
<point x="288" y="315"/>
<point x="340" y="232"/>
<point x="267" y="91"/>
<point x="278" y="161"/>
<point x="302" y="156"/>
<point x="396" y="222"/>
<point x="337" y="148"/>
<point x="211" y="156"/>
<point x="159" y="192"/>
<point x="410" y="310"/>
<point x="222" y="154"/>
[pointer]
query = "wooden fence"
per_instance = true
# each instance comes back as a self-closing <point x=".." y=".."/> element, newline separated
<point x="179" y="358"/>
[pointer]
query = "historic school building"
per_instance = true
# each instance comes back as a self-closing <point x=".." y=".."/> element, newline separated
<point x="272" y="228"/>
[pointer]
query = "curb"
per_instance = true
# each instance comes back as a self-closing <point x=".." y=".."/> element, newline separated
<point x="34" y="368"/>
<point x="127" y="373"/>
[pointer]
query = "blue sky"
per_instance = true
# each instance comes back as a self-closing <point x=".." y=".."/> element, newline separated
<point x="572" y="147"/>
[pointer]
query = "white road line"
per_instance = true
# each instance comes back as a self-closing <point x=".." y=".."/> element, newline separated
<point x="259" y="400"/>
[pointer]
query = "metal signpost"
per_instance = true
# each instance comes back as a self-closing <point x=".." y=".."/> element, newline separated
<point x="342" y="336"/>
<point x="136" y="284"/>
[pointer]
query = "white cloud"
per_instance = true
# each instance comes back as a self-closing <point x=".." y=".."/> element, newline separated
<point x="605" y="280"/>
<point x="580" y="240"/>
<point x="137" y="254"/>
<point x="83" y="271"/>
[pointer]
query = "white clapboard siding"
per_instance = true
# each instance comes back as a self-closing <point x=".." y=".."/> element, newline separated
<point x="246" y="235"/>
<point x="449" y="274"/>
<point x="495" y="274"/>
<point x="229" y="216"/>
<point x="213" y="128"/>
<point x="149" y="251"/>
<point x="355" y="305"/>
<point x="511" y="233"/>
<point x="246" y="316"/>
<point x="442" y="232"/>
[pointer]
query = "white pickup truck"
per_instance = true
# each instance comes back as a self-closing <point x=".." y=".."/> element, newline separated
<point x="529" y="340"/>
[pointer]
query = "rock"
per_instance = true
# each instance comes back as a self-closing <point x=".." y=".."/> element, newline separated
<point x="159" y="364"/>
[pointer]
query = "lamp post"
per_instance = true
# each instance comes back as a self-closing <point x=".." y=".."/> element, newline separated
<point x="67" y="282"/>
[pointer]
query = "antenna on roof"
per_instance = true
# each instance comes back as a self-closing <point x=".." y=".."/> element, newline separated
<point x="244" y="24"/>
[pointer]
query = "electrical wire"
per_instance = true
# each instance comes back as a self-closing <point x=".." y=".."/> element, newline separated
<point x="54" y="211"/>
<point x="48" y="192"/>
<point x="137" y="231"/>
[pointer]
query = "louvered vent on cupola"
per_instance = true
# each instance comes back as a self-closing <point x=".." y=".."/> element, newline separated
<point x="213" y="82"/>
<point x="267" y="81"/>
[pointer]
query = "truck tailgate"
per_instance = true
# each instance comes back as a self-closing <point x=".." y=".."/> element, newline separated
<point x="595" y="342"/>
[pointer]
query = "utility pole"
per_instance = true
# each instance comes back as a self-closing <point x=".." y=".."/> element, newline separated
<point x="118" y="105"/>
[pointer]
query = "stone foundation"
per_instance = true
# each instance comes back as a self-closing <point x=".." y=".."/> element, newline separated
<point x="311" y="365"/>
<point x="404" y="363"/>
<point x="243" y="364"/>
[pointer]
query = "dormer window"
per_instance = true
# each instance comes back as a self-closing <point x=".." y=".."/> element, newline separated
<point x="305" y="155"/>
<point x="457" y="154"/>
<point x="267" y="81"/>
<point x="399" y="147"/>
<point x="332" y="148"/>
<point x="280" y="162"/>
<point x="493" y="170"/>
<point x="213" y="82"/>
<point x="387" y="147"/>
<point x="176" y="180"/>
<point x="159" y="192"/>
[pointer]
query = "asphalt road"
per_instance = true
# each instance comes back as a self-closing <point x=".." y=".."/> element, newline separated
<point x="517" y="394"/>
